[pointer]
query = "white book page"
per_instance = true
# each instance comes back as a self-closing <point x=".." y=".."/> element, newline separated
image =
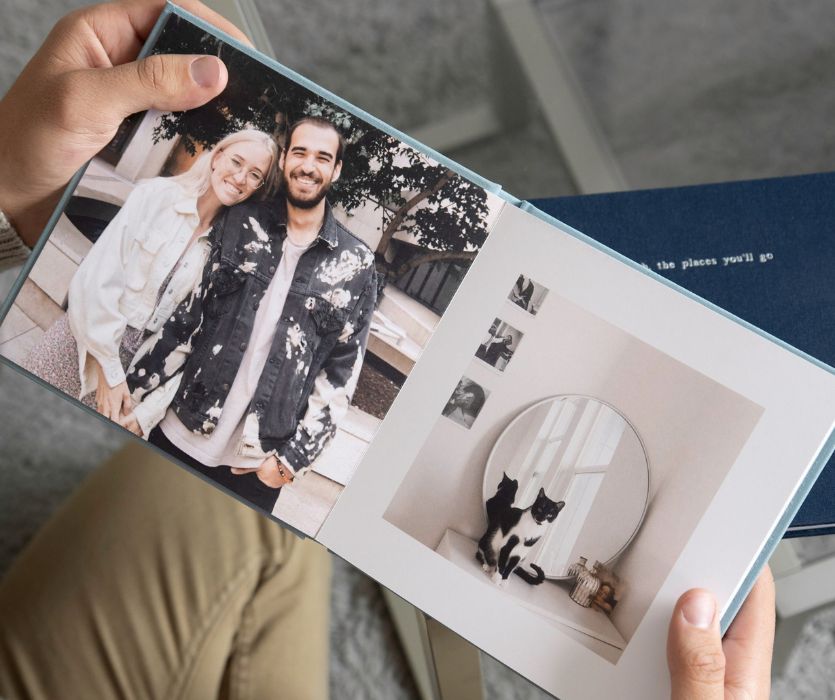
<point x="727" y="423"/>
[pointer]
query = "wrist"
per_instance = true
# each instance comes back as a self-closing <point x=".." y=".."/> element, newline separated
<point x="27" y="216"/>
<point x="27" y="204"/>
<point x="110" y="373"/>
<point x="285" y="465"/>
<point x="144" y="419"/>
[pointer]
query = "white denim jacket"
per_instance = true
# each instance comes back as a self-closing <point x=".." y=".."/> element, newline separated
<point x="118" y="283"/>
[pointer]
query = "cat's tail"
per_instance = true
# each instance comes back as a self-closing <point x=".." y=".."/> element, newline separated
<point x="530" y="578"/>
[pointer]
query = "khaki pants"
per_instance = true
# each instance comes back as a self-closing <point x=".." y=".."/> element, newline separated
<point x="149" y="583"/>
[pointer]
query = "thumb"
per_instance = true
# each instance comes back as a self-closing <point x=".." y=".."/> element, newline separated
<point x="694" y="649"/>
<point x="169" y="83"/>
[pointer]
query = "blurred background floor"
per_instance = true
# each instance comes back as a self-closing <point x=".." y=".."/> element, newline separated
<point x="684" y="93"/>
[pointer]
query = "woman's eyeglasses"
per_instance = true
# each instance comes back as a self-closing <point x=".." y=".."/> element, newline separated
<point x="253" y="178"/>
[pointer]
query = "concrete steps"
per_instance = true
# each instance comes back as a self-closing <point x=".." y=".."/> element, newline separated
<point x="401" y="328"/>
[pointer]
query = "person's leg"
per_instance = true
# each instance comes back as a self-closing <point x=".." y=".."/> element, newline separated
<point x="247" y="486"/>
<point x="150" y="583"/>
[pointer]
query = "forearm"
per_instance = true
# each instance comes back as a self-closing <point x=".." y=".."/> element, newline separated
<point x="163" y="355"/>
<point x="97" y="338"/>
<point x="156" y="364"/>
<point x="27" y="204"/>
<point x="333" y="389"/>
<point x="27" y="215"/>
<point x="95" y="312"/>
<point x="151" y="410"/>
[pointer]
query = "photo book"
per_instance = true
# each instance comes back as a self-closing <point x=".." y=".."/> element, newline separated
<point x="536" y="441"/>
<point x="761" y="249"/>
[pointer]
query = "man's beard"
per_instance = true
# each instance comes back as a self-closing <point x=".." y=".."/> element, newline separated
<point x="310" y="203"/>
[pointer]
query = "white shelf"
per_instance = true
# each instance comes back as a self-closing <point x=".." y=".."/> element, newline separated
<point x="549" y="599"/>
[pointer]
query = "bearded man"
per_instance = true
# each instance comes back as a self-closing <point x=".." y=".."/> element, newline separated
<point x="249" y="378"/>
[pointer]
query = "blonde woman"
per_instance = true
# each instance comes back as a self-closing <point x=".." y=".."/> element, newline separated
<point x="145" y="262"/>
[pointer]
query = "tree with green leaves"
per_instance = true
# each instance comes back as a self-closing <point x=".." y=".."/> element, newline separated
<point x="444" y="214"/>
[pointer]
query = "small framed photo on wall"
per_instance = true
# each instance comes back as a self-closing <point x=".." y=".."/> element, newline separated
<point x="527" y="294"/>
<point x="499" y="344"/>
<point x="466" y="402"/>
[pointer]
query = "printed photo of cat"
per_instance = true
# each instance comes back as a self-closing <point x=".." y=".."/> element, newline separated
<point x="512" y="531"/>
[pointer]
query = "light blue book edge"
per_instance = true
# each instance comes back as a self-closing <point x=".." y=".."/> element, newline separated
<point x="495" y="189"/>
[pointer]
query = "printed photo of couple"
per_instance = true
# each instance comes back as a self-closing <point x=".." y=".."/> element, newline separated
<point x="238" y="285"/>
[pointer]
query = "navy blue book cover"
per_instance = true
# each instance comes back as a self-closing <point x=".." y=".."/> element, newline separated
<point x="762" y="249"/>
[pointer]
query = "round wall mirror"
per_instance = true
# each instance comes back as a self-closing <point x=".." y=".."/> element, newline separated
<point x="583" y="452"/>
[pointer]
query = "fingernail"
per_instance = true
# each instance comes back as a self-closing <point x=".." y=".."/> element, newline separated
<point x="205" y="71"/>
<point x="699" y="609"/>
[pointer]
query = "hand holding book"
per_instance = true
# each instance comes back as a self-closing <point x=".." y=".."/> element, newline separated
<point x="81" y="84"/>
<point x="703" y="666"/>
<point x="531" y="319"/>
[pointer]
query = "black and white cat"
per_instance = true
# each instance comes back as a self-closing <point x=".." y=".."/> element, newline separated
<point x="511" y="532"/>
<point x="497" y="506"/>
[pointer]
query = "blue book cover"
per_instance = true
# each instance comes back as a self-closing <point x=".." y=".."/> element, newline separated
<point x="761" y="249"/>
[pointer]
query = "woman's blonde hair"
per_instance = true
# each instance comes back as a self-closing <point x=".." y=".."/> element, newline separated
<point x="197" y="178"/>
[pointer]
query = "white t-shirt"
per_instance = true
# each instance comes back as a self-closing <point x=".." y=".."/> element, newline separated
<point x="220" y="447"/>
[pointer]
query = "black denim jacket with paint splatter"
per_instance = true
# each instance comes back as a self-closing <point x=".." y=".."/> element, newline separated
<point x="316" y="355"/>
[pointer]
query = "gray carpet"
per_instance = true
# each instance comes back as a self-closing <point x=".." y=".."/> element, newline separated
<point x="686" y="93"/>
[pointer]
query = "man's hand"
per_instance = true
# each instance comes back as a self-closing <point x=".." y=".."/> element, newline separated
<point x="703" y="666"/>
<point x="70" y="99"/>
<point x="129" y="422"/>
<point x="272" y="472"/>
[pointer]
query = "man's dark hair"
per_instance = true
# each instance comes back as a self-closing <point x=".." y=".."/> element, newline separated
<point x="320" y="122"/>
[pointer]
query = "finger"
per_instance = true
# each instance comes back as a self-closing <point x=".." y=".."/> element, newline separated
<point x="123" y="27"/>
<point x="143" y="19"/>
<point x="237" y="471"/>
<point x="127" y="403"/>
<point x="694" y="649"/>
<point x="167" y="83"/>
<point x="200" y="10"/>
<point x="749" y="641"/>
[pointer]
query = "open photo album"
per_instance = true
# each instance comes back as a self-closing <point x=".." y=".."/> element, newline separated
<point x="534" y="440"/>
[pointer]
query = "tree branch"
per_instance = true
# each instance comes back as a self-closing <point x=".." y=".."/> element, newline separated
<point x="402" y="211"/>
<point x="435" y="256"/>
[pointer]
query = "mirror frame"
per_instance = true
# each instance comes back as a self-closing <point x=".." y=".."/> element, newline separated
<point x="521" y="413"/>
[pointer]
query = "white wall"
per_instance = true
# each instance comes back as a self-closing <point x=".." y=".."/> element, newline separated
<point x="692" y="429"/>
<point x="364" y="222"/>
